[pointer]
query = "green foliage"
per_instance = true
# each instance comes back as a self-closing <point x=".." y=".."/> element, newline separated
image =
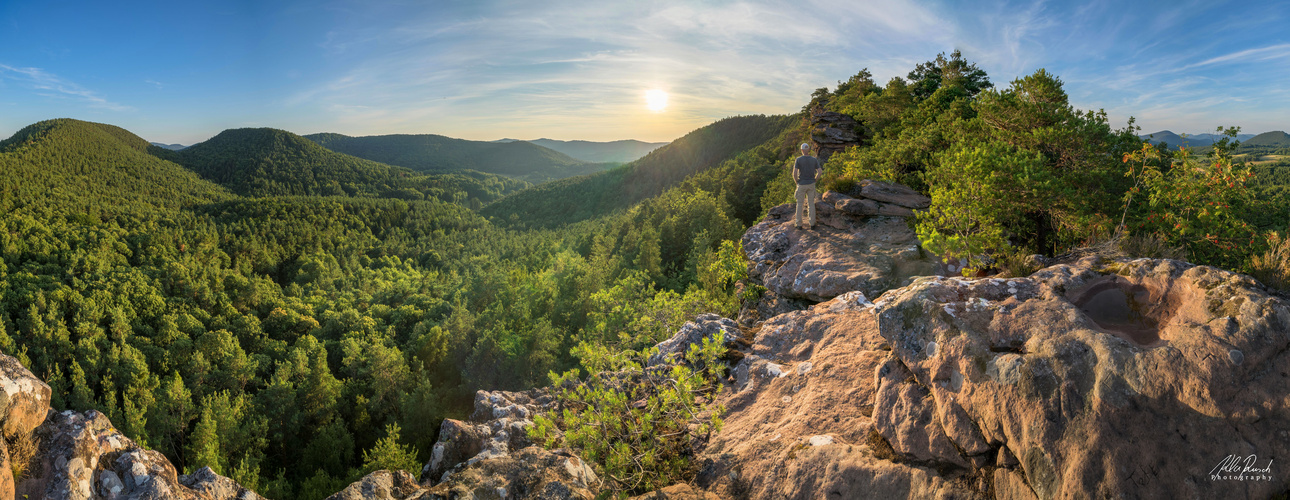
<point x="388" y="454"/>
<point x="637" y="424"/>
<point x="1203" y="208"/>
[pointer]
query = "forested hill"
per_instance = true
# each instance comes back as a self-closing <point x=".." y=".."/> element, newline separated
<point x="580" y="198"/>
<point x="271" y="162"/>
<point x="92" y="169"/>
<point x="436" y="153"/>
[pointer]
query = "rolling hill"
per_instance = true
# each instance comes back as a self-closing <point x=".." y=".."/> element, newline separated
<point x="1274" y="139"/>
<point x="172" y="147"/>
<point x="435" y="153"/>
<point x="580" y="198"/>
<point x="271" y="162"/>
<point x="93" y="168"/>
<point x="599" y="152"/>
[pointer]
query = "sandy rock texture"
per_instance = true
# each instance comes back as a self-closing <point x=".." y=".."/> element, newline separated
<point x="864" y="250"/>
<point x="800" y="415"/>
<point x="1099" y="379"/>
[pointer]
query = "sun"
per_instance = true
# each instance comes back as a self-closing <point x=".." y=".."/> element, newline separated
<point x="656" y="100"/>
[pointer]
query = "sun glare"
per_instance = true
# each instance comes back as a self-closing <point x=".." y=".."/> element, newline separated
<point x="656" y="100"/>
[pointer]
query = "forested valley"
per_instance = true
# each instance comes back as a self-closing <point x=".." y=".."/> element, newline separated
<point x="295" y="317"/>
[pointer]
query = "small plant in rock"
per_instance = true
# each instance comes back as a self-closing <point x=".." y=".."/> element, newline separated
<point x="638" y="425"/>
<point x="22" y="449"/>
<point x="1272" y="268"/>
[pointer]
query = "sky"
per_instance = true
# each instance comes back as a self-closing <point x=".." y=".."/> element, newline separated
<point x="181" y="72"/>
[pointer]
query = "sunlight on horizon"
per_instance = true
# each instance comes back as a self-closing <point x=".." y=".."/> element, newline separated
<point x="656" y="100"/>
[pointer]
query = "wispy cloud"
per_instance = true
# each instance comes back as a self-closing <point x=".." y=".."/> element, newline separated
<point x="50" y="85"/>
<point x="154" y="83"/>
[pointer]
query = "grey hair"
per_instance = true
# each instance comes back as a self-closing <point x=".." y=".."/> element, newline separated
<point x="806" y="146"/>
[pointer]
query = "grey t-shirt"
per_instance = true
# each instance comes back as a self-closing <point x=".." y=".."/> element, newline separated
<point x="806" y="167"/>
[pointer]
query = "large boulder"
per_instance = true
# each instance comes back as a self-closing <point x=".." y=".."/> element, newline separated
<point x="383" y="485"/>
<point x="705" y="326"/>
<point x="499" y="425"/>
<point x="1098" y="379"/>
<point x="24" y="399"/>
<point x="530" y="473"/>
<point x="207" y="485"/>
<point x="83" y="456"/>
<point x="845" y="252"/>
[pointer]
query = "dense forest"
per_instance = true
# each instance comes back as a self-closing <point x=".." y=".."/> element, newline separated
<point x="294" y="339"/>
<point x="435" y="153"/>
<point x="295" y="317"/>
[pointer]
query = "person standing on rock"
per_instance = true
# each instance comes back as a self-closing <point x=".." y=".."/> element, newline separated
<point x="806" y="170"/>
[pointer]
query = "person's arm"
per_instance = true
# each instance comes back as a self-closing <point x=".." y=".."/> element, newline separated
<point x="796" y="173"/>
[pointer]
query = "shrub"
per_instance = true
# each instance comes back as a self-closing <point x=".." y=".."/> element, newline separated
<point x="636" y="425"/>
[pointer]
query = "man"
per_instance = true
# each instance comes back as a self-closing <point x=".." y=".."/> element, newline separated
<point x="806" y="170"/>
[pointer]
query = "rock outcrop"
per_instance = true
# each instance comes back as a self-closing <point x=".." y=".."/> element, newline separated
<point x="383" y="485"/>
<point x="82" y="456"/>
<point x="1095" y="379"/>
<point x="858" y="244"/>
<point x="833" y="132"/>
<point x="24" y="402"/>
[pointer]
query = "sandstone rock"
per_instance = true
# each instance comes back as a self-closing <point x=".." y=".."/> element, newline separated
<point x="499" y="425"/>
<point x="6" y="473"/>
<point x="532" y="473"/>
<point x="1010" y="485"/>
<point x="383" y="485"/>
<point x="693" y="332"/>
<point x="680" y="491"/>
<point x="24" y="399"/>
<point x="799" y="422"/>
<point x="894" y="194"/>
<point x="770" y="304"/>
<point x="458" y="442"/>
<point x="82" y="456"/>
<point x="207" y="485"/>
<point x="1103" y="379"/>
<point x="833" y="132"/>
<point x="844" y="252"/>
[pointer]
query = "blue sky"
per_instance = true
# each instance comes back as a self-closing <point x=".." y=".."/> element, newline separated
<point x="183" y="71"/>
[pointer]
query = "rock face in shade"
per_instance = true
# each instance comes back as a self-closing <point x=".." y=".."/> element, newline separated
<point x="833" y="132"/>
<point x="846" y="251"/>
<point x="1097" y="379"/>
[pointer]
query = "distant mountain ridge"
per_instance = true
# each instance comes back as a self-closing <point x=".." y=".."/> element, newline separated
<point x="437" y="153"/>
<point x="622" y="151"/>
<point x="172" y="147"/>
<point x="1192" y="140"/>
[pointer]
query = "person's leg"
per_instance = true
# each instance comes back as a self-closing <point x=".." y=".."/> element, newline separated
<point x="812" y="197"/>
<point x="800" y="195"/>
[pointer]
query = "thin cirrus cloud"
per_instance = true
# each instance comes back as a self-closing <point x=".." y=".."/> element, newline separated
<point x="49" y="85"/>
<point x="577" y="71"/>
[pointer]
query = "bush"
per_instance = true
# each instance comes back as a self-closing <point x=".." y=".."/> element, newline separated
<point x="636" y="425"/>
